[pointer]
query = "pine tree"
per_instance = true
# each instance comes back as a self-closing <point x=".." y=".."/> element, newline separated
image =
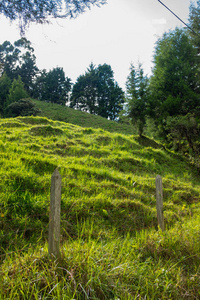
<point x="136" y="97"/>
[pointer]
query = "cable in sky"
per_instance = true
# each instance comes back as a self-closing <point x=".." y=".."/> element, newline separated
<point x="176" y="16"/>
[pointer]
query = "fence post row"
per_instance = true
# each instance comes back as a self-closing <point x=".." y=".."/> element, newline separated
<point x="159" y="202"/>
<point x="54" y="216"/>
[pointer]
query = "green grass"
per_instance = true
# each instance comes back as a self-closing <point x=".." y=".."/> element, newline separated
<point x="111" y="247"/>
<point x="83" y="119"/>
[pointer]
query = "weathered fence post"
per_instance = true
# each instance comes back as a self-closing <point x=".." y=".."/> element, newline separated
<point x="159" y="202"/>
<point x="54" y="216"/>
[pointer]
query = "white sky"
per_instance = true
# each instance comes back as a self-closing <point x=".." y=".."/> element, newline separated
<point x="119" y="33"/>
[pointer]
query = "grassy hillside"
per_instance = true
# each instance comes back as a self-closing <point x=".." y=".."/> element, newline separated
<point x="111" y="247"/>
<point x="83" y="119"/>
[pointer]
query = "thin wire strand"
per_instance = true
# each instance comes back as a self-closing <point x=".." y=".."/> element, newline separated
<point x="176" y="16"/>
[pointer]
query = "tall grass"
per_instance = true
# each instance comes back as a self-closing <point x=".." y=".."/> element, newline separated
<point x="111" y="247"/>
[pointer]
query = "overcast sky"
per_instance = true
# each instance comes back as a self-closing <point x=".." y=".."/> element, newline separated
<point x="119" y="33"/>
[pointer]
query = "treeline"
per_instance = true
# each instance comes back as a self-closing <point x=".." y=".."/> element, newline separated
<point x="95" y="92"/>
<point x="169" y="99"/>
<point x="21" y="79"/>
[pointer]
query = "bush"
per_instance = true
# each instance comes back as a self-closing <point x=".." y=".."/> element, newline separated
<point x="23" y="107"/>
<point x="184" y="132"/>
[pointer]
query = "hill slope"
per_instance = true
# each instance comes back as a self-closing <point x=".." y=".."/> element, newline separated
<point x="111" y="248"/>
<point x="77" y="117"/>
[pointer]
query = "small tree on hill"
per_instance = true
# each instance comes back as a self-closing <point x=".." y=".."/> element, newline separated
<point x="136" y="97"/>
<point x="17" y="91"/>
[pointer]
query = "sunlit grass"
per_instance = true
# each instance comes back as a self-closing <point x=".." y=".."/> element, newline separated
<point x="111" y="247"/>
<point x="151" y="265"/>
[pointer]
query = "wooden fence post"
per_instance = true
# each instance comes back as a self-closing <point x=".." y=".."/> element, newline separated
<point x="54" y="216"/>
<point x="159" y="202"/>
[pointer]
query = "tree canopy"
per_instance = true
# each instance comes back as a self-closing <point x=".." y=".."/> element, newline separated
<point x="194" y="22"/>
<point x="18" y="59"/>
<point x="136" y="97"/>
<point x="52" y="86"/>
<point x="174" y="84"/>
<point x="39" y="11"/>
<point x="97" y="92"/>
<point x="16" y="91"/>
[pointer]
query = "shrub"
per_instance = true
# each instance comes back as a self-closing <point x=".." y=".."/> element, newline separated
<point x="23" y="107"/>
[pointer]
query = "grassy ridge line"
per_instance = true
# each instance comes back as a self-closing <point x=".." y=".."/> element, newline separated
<point x="83" y="119"/>
<point x="111" y="248"/>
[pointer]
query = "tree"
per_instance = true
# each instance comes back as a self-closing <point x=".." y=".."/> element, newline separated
<point x="97" y="92"/>
<point x="16" y="92"/>
<point x="174" y="84"/>
<point x="53" y="86"/>
<point x="18" y="59"/>
<point x="5" y="84"/>
<point x="26" y="67"/>
<point x="8" y="58"/>
<point x="194" y="22"/>
<point x="137" y="97"/>
<point x="110" y="96"/>
<point x="84" y="93"/>
<point x="39" y="11"/>
<point x="175" y="90"/>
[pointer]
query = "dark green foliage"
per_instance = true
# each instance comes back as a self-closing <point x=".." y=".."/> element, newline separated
<point x="23" y="107"/>
<point x="53" y="86"/>
<point x="97" y="93"/>
<point x="110" y="95"/>
<point x="16" y="91"/>
<point x="137" y="97"/>
<point x="174" y="81"/>
<point x="39" y="11"/>
<point x="194" y="22"/>
<point x="5" y="84"/>
<point x="184" y="132"/>
<point x="175" y="89"/>
<point x="84" y="92"/>
<point x="18" y="59"/>
<point x="8" y="58"/>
